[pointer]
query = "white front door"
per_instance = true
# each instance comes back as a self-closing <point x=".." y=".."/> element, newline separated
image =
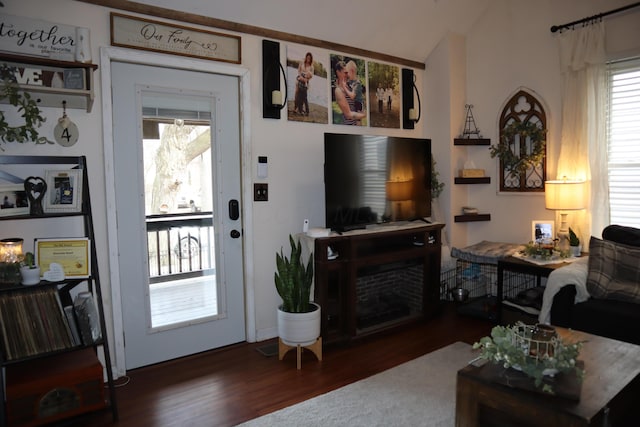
<point x="177" y="178"/>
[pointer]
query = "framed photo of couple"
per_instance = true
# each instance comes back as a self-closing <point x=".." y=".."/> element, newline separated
<point x="64" y="191"/>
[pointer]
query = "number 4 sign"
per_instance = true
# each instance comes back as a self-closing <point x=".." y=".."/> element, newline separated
<point x="66" y="132"/>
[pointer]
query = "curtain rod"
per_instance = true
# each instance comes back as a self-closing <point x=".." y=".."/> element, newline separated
<point x="593" y="18"/>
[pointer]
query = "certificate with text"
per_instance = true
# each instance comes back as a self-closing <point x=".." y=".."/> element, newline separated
<point x="72" y="254"/>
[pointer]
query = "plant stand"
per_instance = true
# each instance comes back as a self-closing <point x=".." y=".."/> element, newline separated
<point x="316" y="348"/>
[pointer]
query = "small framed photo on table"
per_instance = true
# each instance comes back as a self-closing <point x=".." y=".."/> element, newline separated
<point x="13" y="200"/>
<point x="542" y="229"/>
<point x="71" y="253"/>
<point x="64" y="191"/>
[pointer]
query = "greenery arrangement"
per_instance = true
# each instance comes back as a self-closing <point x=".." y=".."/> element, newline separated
<point x="293" y="280"/>
<point x="540" y="251"/>
<point x="573" y="238"/>
<point x="506" y="346"/>
<point x="436" y="185"/>
<point x="517" y="164"/>
<point x="27" y="108"/>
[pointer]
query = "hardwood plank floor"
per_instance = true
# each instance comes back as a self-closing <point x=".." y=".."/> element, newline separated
<point x="228" y="386"/>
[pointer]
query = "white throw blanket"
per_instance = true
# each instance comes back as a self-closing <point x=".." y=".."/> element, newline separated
<point x="571" y="274"/>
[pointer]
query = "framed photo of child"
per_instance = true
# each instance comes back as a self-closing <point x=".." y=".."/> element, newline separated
<point x="64" y="191"/>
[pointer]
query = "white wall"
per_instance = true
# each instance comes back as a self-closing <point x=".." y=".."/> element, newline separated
<point x="294" y="151"/>
<point x="509" y="47"/>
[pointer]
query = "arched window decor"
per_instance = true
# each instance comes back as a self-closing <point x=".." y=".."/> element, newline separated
<point x="521" y="146"/>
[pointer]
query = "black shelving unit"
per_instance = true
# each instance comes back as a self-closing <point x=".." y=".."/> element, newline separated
<point x="63" y="289"/>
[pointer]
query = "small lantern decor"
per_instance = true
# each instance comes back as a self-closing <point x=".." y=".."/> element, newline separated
<point x="10" y="258"/>
<point x="535" y="350"/>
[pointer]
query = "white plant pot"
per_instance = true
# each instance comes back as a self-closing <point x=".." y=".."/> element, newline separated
<point x="30" y="276"/>
<point x="299" y="328"/>
<point x="575" y="250"/>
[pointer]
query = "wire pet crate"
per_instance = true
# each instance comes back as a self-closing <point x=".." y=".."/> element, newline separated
<point x="447" y="282"/>
<point x="482" y="279"/>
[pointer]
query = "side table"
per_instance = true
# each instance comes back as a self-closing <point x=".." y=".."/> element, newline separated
<point x="518" y="265"/>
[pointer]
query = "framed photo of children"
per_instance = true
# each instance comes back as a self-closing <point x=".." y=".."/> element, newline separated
<point x="348" y="91"/>
<point x="64" y="191"/>
<point x="14" y="200"/>
<point x="384" y="95"/>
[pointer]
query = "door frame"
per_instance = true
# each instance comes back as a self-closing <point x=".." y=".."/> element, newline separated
<point x="111" y="54"/>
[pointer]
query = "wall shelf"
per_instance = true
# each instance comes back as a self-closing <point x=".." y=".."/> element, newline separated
<point x="471" y="141"/>
<point x="54" y="96"/>
<point x="472" y="218"/>
<point x="478" y="180"/>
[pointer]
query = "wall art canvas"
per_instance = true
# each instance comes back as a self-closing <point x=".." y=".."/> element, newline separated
<point x="307" y="77"/>
<point x="348" y="91"/>
<point x="384" y="96"/>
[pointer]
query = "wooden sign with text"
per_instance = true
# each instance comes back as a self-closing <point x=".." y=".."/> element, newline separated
<point x="128" y="31"/>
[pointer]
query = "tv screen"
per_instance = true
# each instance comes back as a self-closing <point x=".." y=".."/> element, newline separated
<point x="375" y="179"/>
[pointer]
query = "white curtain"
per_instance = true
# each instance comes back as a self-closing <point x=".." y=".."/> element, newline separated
<point x="583" y="150"/>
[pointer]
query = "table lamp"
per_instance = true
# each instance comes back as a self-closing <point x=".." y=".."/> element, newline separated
<point x="564" y="195"/>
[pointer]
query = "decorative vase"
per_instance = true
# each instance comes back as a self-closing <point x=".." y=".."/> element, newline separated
<point x="299" y="328"/>
<point x="30" y="276"/>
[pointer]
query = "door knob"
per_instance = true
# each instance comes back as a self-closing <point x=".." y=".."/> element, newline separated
<point x="234" y="234"/>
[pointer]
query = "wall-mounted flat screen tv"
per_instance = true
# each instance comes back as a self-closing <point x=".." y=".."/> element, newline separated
<point x="375" y="179"/>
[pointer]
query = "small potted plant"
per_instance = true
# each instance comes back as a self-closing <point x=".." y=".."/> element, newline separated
<point x="574" y="243"/>
<point x="29" y="271"/>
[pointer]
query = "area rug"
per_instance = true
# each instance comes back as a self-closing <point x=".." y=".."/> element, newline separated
<point x="421" y="392"/>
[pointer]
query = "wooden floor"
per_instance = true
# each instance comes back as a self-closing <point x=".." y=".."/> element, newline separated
<point x="235" y="384"/>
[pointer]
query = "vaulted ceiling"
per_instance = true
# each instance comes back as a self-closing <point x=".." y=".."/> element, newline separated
<point x="408" y="29"/>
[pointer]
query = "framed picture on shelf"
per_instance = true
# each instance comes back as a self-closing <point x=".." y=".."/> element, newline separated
<point x="542" y="229"/>
<point x="14" y="200"/>
<point x="64" y="191"/>
<point x="71" y="253"/>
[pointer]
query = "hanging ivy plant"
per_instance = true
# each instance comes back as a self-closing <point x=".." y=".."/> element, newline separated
<point x="516" y="164"/>
<point x="26" y="106"/>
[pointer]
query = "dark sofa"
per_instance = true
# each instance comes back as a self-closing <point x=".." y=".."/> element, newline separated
<point x="612" y="318"/>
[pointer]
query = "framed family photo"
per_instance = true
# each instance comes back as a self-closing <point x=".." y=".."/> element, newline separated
<point x="14" y="200"/>
<point x="64" y="191"/>
<point x="542" y="230"/>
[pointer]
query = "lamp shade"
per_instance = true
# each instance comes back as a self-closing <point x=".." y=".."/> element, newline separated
<point x="564" y="195"/>
<point x="398" y="191"/>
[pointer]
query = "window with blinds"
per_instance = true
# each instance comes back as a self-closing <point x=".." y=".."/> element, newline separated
<point x="624" y="142"/>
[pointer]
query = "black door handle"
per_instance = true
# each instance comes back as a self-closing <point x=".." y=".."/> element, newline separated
<point x="234" y="234"/>
<point x="234" y="209"/>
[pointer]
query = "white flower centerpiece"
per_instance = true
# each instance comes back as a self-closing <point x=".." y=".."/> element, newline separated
<point x="535" y="350"/>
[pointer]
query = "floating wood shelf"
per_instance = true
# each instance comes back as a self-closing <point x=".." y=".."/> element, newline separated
<point x="478" y="180"/>
<point x="471" y="141"/>
<point x="472" y="218"/>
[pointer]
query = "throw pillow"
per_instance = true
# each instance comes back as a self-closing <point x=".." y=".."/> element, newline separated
<point x="614" y="271"/>
<point x="622" y="234"/>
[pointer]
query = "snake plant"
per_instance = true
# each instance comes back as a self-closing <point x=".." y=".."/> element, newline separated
<point x="293" y="280"/>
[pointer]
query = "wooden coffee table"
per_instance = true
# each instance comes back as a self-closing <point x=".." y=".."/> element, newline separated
<point x="609" y="391"/>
